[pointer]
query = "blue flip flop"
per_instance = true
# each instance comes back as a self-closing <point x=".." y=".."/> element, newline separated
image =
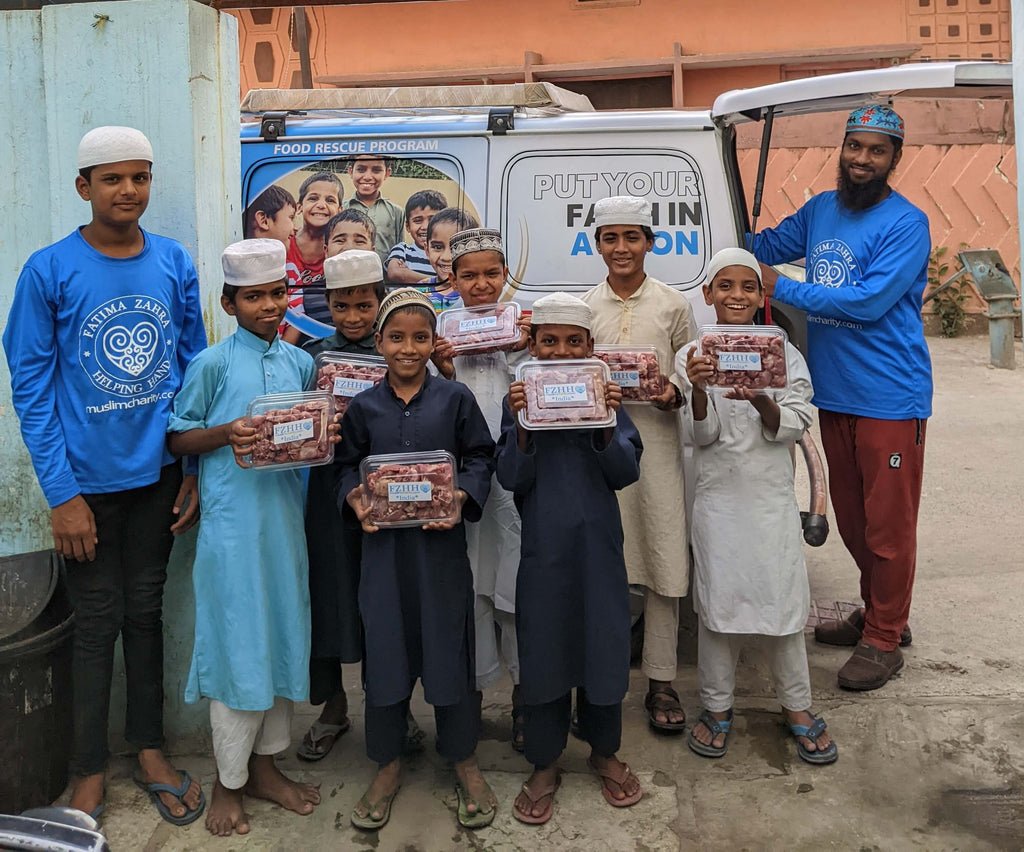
<point x="716" y="727"/>
<point x="812" y="732"/>
<point x="156" y="788"/>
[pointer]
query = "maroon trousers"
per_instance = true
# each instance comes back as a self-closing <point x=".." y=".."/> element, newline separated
<point x="874" y="475"/>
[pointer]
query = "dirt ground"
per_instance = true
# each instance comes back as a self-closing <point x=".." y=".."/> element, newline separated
<point x="933" y="761"/>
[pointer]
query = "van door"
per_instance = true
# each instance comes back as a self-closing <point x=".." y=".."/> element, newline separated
<point x="854" y="89"/>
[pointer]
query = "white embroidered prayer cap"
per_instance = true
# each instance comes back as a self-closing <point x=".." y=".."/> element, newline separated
<point x="561" y="309"/>
<point x="474" y="240"/>
<point x="352" y="268"/>
<point x="403" y="297"/>
<point x="249" y="263"/>
<point x="732" y="257"/>
<point x="113" y="144"/>
<point x="623" y="210"/>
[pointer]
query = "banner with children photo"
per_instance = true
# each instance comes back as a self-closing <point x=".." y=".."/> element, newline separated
<point x="368" y="201"/>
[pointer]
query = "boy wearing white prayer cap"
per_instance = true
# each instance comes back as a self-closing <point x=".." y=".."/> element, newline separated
<point x="102" y="326"/>
<point x="572" y="596"/>
<point x="750" y="581"/>
<point x="354" y="279"/>
<point x="631" y="308"/>
<point x="251" y="651"/>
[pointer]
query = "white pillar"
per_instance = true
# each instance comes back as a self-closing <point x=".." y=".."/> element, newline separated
<point x="170" y="68"/>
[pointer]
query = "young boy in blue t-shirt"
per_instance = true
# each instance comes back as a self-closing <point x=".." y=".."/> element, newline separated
<point x="102" y="326"/>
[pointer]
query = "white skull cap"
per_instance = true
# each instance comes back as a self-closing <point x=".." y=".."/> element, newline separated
<point x="732" y="257"/>
<point x="623" y="210"/>
<point x="249" y="263"/>
<point x="113" y="145"/>
<point x="561" y="309"/>
<point x="352" y="268"/>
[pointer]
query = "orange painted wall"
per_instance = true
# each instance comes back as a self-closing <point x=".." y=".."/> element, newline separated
<point x="364" y="39"/>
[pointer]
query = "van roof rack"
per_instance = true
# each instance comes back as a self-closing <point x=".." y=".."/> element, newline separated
<point x="526" y="98"/>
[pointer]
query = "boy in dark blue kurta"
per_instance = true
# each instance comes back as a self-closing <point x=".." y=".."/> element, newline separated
<point x="355" y="288"/>
<point x="572" y="596"/>
<point x="416" y="587"/>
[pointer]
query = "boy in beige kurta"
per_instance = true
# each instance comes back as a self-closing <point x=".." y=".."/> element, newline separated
<point x="631" y="308"/>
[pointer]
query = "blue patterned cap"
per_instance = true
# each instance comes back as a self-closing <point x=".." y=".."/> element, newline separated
<point x="877" y="119"/>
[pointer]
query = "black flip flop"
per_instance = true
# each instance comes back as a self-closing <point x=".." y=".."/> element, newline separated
<point x="156" y="788"/>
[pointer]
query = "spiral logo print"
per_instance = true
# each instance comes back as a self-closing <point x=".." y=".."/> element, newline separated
<point x="831" y="263"/>
<point x="125" y="345"/>
<point x="131" y="349"/>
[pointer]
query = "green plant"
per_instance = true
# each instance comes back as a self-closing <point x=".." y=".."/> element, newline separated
<point x="949" y="303"/>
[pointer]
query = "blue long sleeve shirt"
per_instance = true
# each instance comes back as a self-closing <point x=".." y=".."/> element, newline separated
<point x="97" y="347"/>
<point x="866" y="275"/>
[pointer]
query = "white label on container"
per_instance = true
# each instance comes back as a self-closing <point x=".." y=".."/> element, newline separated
<point x="565" y="394"/>
<point x="294" y="430"/>
<point x="626" y="378"/>
<point x="410" y="492"/>
<point x="477" y="324"/>
<point x="350" y="387"/>
<point x="739" y="361"/>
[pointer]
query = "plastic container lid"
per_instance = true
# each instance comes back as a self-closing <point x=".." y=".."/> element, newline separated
<point x="750" y="356"/>
<point x="635" y="369"/>
<point x="483" y="328"/>
<point x="345" y="375"/>
<point x="410" y="489"/>
<point x="292" y="430"/>
<point x="565" y="394"/>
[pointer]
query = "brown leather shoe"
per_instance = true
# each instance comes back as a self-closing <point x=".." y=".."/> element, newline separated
<point x="849" y="631"/>
<point x="870" y="667"/>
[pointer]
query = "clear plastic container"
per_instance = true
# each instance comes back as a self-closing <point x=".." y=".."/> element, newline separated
<point x="635" y="369"/>
<point x="565" y="394"/>
<point x="411" y="489"/>
<point x="750" y="356"/>
<point x="484" y="328"/>
<point x="292" y="430"/>
<point x="345" y="375"/>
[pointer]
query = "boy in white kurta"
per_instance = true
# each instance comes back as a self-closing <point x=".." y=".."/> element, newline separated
<point x="630" y="307"/>
<point x="751" y="580"/>
<point x="479" y="274"/>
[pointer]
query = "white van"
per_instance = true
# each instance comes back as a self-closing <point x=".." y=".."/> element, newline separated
<point x="531" y="160"/>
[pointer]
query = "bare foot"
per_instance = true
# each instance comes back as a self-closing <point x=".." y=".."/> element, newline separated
<point x="803" y="717"/>
<point x="616" y="777"/>
<point x="384" y="785"/>
<point x="267" y="782"/>
<point x="88" y="793"/>
<point x="335" y="710"/>
<point x="540" y="789"/>
<point x="157" y="770"/>
<point x="472" y="781"/>
<point x="702" y="733"/>
<point x="225" y="813"/>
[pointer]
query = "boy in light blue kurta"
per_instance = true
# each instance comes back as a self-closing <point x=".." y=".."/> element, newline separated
<point x="252" y="635"/>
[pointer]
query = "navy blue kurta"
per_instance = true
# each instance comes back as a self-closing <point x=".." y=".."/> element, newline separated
<point x="416" y="587"/>
<point x="334" y="544"/>
<point x="572" y="596"/>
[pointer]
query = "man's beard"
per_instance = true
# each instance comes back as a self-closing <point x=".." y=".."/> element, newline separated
<point x="860" y="196"/>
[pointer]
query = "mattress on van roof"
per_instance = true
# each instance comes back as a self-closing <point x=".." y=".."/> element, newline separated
<point x="544" y="98"/>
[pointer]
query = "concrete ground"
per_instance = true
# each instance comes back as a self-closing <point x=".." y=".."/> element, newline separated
<point x="934" y="761"/>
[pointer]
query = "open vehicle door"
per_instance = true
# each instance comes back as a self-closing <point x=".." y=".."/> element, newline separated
<point x="852" y="89"/>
